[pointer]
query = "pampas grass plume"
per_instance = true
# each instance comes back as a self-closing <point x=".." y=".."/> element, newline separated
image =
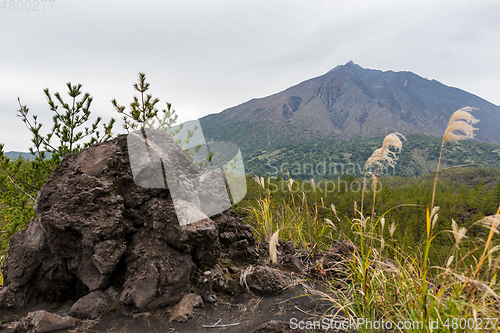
<point x="462" y="121"/>
<point x="459" y="234"/>
<point x="383" y="154"/>
<point x="450" y="260"/>
<point x="273" y="243"/>
<point x="392" y="229"/>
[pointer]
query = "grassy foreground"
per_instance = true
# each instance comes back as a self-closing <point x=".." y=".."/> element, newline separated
<point x="442" y="287"/>
<point x="442" y="278"/>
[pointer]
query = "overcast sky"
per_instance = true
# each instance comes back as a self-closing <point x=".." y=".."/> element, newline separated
<point x="205" y="56"/>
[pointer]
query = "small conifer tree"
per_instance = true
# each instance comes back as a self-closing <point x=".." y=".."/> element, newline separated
<point x="20" y="180"/>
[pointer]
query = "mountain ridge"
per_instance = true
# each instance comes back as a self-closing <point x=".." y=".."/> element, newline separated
<point x="347" y="101"/>
<point x="24" y="155"/>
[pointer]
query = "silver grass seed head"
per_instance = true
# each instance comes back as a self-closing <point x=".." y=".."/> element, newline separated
<point x="462" y="121"/>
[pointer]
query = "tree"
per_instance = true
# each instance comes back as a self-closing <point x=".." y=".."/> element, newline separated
<point x="145" y="114"/>
<point x="21" y="180"/>
<point x="66" y="125"/>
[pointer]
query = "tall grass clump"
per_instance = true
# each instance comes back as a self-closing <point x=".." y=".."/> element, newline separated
<point x="462" y="121"/>
<point x="387" y="282"/>
<point x="391" y="283"/>
<point x="281" y="212"/>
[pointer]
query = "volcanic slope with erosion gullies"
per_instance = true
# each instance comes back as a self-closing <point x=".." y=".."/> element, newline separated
<point x="349" y="101"/>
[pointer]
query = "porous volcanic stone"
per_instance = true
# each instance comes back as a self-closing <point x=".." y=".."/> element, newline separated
<point x="97" y="228"/>
<point x="265" y="280"/>
<point x="91" y="306"/>
<point x="183" y="311"/>
<point x="43" y="321"/>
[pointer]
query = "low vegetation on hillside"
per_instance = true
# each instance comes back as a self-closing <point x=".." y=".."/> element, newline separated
<point x="465" y="195"/>
<point x="414" y="265"/>
<point x="418" y="157"/>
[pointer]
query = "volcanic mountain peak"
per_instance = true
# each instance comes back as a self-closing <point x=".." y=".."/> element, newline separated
<point x="349" y="65"/>
<point x="352" y="101"/>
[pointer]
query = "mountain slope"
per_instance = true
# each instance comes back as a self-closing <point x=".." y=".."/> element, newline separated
<point x="350" y="101"/>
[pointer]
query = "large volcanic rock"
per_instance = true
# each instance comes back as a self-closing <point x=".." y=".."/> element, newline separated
<point x="97" y="228"/>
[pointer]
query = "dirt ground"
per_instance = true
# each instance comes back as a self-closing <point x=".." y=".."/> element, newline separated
<point x="243" y="313"/>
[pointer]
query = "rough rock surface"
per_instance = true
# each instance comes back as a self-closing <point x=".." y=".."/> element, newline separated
<point x="97" y="228"/>
<point x="342" y="249"/>
<point x="31" y="269"/>
<point x="91" y="306"/>
<point x="183" y="311"/>
<point x="43" y="321"/>
<point x="227" y="281"/>
<point x="293" y="264"/>
<point x="265" y="280"/>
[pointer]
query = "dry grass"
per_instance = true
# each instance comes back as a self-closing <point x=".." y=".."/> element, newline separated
<point x="462" y="121"/>
<point x="273" y="243"/>
<point x="380" y="155"/>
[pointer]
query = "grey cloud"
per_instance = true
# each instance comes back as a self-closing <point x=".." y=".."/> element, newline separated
<point x="217" y="54"/>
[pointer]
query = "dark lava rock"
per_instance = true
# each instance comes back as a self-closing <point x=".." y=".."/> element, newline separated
<point x="265" y="280"/>
<point x="91" y="306"/>
<point x="242" y="251"/>
<point x="286" y="247"/>
<point x="342" y="249"/>
<point x="183" y="311"/>
<point x="227" y="281"/>
<point x="97" y="228"/>
<point x="31" y="269"/>
<point x="292" y="263"/>
<point x="231" y="230"/>
<point x="43" y="321"/>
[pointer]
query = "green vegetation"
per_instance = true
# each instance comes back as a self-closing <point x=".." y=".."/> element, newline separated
<point x="418" y="157"/>
<point x="302" y="213"/>
<point x="434" y="268"/>
<point x="143" y="111"/>
<point x="247" y="137"/>
<point x="144" y="114"/>
<point x="465" y="195"/>
<point x="20" y="180"/>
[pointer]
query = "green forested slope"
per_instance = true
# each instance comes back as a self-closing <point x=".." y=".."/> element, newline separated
<point x="419" y="157"/>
